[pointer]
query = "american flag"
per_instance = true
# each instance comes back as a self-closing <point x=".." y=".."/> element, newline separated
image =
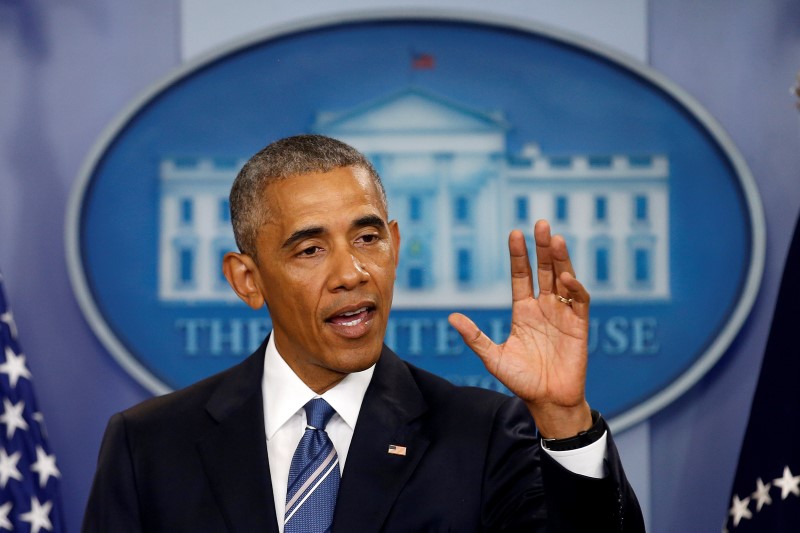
<point x="766" y="490"/>
<point x="422" y="61"/>
<point x="29" y="477"/>
<point x="394" y="449"/>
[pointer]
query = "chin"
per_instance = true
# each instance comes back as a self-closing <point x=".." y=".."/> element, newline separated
<point x="357" y="360"/>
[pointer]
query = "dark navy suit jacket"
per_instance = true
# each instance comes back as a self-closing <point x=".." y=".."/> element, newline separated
<point x="196" y="461"/>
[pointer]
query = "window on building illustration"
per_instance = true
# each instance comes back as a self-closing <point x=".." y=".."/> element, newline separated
<point x="562" y="208"/>
<point x="640" y="161"/>
<point x="602" y="264"/>
<point x="186" y="266"/>
<point x="601" y="209"/>
<point x="462" y="208"/>
<point x="416" y="278"/>
<point x="415" y="208"/>
<point x="224" y="210"/>
<point x="561" y="162"/>
<point x="464" y="266"/>
<point x="641" y="265"/>
<point x="640" y="208"/>
<point x="522" y="208"/>
<point x="600" y="161"/>
<point x="186" y="211"/>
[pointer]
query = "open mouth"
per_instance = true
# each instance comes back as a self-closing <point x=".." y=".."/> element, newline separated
<point x="353" y="322"/>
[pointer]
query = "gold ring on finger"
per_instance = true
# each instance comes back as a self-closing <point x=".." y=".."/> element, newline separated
<point x="563" y="300"/>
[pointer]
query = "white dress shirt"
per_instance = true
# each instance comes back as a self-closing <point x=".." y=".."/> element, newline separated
<point x="285" y="394"/>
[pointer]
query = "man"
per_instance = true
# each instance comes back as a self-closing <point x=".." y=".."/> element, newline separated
<point x="404" y="451"/>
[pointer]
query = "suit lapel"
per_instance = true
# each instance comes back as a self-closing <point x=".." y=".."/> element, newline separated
<point x="234" y="452"/>
<point x="373" y="477"/>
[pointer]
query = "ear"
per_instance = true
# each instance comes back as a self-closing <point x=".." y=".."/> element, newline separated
<point x="394" y="231"/>
<point x="241" y="272"/>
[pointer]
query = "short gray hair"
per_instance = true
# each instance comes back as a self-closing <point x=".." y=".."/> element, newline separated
<point x="282" y="159"/>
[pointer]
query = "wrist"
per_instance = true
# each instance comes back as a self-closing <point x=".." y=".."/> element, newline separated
<point x="580" y="440"/>
<point x="560" y="422"/>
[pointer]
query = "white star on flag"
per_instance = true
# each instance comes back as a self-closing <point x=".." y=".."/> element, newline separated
<point x="8" y="467"/>
<point x="8" y="318"/>
<point x="39" y="418"/>
<point x="45" y="465"/>
<point x="4" y="521"/>
<point x="761" y="494"/>
<point x="38" y="516"/>
<point x="739" y="510"/>
<point x="788" y="483"/>
<point x="14" y="367"/>
<point x="12" y="417"/>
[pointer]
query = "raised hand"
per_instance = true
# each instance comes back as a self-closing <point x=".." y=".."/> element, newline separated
<point x="543" y="360"/>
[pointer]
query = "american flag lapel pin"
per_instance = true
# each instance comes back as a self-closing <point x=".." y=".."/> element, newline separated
<point x="394" y="449"/>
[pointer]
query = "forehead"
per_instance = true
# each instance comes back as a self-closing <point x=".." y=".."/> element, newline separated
<point x="320" y="196"/>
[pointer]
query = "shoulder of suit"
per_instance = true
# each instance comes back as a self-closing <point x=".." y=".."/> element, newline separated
<point x="438" y="388"/>
<point x="182" y="402"/>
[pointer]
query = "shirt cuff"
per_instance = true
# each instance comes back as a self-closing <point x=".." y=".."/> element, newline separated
<point x="587" y="461"/>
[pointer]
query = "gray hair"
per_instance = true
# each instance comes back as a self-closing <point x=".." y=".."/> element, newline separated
<point x="282" y="159"/>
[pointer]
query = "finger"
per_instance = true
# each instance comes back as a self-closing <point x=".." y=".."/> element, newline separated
<point x="473" y="336"/>
<point x="575" y="290"/>
<point x="544" y="261"/>
<point x="561" y="261"/>
<point x="521" y="275"/>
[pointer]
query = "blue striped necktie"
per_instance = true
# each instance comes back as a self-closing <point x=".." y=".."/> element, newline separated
<point x="313" y="475"/>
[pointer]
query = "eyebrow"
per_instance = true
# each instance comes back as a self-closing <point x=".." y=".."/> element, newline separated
<point x="314" y="231"/>
<point x="301" y="234"/>
<point x="369" y="220"/>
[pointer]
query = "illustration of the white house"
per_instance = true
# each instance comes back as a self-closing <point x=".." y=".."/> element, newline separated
<point x="456" y="191"/>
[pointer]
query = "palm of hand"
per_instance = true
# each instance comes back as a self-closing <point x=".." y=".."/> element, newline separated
<point x="544" y="357"/>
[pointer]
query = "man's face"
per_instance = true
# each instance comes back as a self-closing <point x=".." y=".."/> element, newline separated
<point x="326" y="267"/>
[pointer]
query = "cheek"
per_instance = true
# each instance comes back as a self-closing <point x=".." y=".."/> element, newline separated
<point x="385" y="277"/>
<point x="296" y="281"/>
<point x="383" y="263"/>
<point x="304" y="297"/>
<point x="290" y="298"/>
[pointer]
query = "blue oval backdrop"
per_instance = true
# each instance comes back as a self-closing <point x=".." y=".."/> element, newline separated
<point x="476" y="128"/>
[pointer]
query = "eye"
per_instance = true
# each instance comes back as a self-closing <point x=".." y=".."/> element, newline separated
<point x="368" y="238"/>
<point x="310" y="251"/>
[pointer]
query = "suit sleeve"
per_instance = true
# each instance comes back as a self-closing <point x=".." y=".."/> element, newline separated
<point x="113" y="501"/>
<point x="525" y="488"/>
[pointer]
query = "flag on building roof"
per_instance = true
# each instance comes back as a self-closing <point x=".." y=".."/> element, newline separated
<point x="422" y="61"/>
<point x="766" y="491"/>
<point x="29" y="478"/>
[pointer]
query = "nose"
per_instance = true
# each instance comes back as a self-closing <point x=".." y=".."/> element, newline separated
<point x="347" y="272"/>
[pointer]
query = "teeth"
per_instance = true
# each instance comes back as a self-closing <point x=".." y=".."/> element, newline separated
<point x="351" y="313"/>
<point x="353" y="323"/>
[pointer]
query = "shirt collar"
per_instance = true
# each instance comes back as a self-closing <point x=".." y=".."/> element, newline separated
<point x="285" y="393"/>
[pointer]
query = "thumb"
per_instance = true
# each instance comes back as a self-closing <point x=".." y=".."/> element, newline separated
<point x="476" y="339"/>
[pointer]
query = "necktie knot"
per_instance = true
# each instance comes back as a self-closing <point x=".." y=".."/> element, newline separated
<point x="318" y="413"/>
